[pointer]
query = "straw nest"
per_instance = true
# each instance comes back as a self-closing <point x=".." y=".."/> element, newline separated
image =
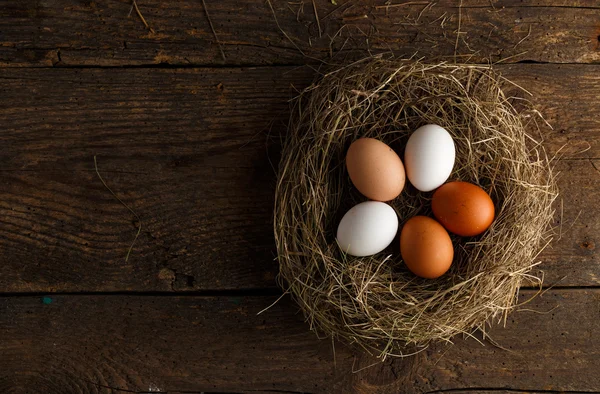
<point x="375" y="302"/>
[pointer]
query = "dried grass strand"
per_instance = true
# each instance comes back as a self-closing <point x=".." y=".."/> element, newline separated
<point x="139" y="227"/>
<point x="139" y="13"/>
<point x="212" y="28"/>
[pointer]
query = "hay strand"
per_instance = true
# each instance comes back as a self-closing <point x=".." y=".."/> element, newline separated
<point x="139" y="14"/>
<point x="139" y="227"/>
<point x="375" y="302"/>
<point x="212" y="29"/>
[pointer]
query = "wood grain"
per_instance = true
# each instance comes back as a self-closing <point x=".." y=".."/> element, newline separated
<point x="90" y="344"/>
<point x="106" y="344"/>
<point x="72" y="33"/>
<point x="548" y="345"/>
<point x="572" y="259"/>
<point x="564" y="95"/>
<point x="185" y="149"/>
<point x="190" y="151"/>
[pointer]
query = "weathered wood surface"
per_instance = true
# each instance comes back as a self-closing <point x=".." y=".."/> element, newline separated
<point x="188" y="151"/>
<point x="549" y="345"/>
<point x="94" y="344"/>
<point x="97" y="344"/>
<point x="107" y="33"/>
<point x="185" y="149"/>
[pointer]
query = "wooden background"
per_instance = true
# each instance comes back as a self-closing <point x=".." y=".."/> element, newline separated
<point x="186" y="136"/>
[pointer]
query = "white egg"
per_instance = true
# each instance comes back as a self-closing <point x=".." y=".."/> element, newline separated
<point x="429" y="157"/>
<point x="367" y="228"/>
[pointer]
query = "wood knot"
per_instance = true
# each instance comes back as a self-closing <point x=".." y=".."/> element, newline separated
<point x="166" y="274"/>
<point x="589" y="245"/>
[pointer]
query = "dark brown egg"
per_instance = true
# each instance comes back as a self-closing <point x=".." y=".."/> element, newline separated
<point x="463" y="208"/>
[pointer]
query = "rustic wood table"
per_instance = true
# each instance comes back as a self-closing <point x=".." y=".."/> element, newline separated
<point x="185" y="117"/>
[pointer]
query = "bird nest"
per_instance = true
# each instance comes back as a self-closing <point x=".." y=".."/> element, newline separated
<point x="375" y="301"/>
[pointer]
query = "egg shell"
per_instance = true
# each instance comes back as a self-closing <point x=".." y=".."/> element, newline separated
<point x="429" y="157"/>
<point x="463" y="208"/>
<point x="375" y="169"/>
<point x="426" y="247"/>
<point x="367" y="228"/>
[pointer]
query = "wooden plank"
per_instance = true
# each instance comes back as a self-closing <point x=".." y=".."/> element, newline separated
<point x="70" y="33"/>
<point x="86" y="344"/>
<point x="503" y="391"/>
<point x="185" y="149"/>
<point x="106" y="344"/>
<point x="563" y="94"/>
<point x="188" y="151"/>
<point x="560" y="92"/>
<point x="551" y="345"/>
<point x="572" y="259"/>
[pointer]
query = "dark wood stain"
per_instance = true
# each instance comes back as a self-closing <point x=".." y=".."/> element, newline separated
<point x="85" y="344"/>
<point x="88" y="344"/>
<point x="94" y="33"/>
<point x="189" y="140"/>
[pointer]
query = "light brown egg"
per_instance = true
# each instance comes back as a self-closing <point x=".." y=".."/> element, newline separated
<point x="375" y="169"/>
<point x="463" y="208"/>
<point x="426" y="247"/>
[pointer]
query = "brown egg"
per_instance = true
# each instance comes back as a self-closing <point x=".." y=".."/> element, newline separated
<point x="375" y="169"/>
<point x="426" y="247"/>
<point x="463" y="208"/>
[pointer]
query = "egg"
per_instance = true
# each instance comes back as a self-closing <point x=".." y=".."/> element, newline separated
<point x="463" y="208"/>
<point x="429" y="157"/>
<point x="367" y="228"/>
<point x="375" y="169"/>
<point x="426" y="247"/>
